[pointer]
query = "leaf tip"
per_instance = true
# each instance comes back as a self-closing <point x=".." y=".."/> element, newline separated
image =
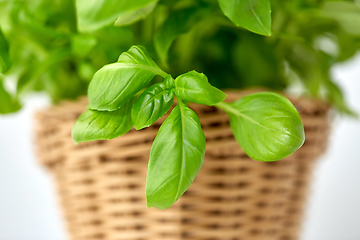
<point x="149" y="203"/>
<point x="223" y="96"/>
<point x="268" y="33"/>
<point x="74" y="137"/>
<point x="138" y="127"/>
<point x="76" y="141"/>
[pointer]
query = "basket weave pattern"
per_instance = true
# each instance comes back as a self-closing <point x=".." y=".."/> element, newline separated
<point x="101" y="184"/>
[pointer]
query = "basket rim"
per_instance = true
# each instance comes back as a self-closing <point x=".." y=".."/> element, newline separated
<point x="304" y="104"/>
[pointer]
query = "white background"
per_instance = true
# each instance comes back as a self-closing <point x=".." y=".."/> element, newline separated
<point x="28" y="206"/>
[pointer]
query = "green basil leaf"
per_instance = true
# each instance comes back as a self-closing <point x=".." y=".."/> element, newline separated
<point x="266" y="125"/>
<point x="96" y="125"/>
<point x="95" y="14"/>
<point x="116" y="83"/>
<point x="132" y="16"/>
<point x="152" y="105"/>
<point x="195" y="87"/>
<point x="4" y="54"/>
<point x="169" y="82"/>
<point x="178" y="23"/>
<point x="8" y="104"/>
<point x="176" y="157"/>
<point x="254" y="15"/>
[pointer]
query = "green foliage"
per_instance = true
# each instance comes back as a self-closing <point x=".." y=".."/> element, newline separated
<point x="132" y="16"/>
<point x="194" y="87"/>
<point x="4" y="54"/>
<point x="95" y="14"/>
<point x="135" y="69"/>
<point x="253" y="15"/>
<point x="152" y="105"/>
<point x="176" y="157"/>
<point x="8" y="104"/>
<point x="266" y="125"/>
<point x="346" y="14"/>
<point x="82" y="44"/>
<point x="48" y="53"/>
<point x="96" y="125"/>
<point x="178" y="23"/>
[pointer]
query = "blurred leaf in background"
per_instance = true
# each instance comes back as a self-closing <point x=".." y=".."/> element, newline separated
<point x="8" y="104"/>
<point x="4" y="54"/>
<point x="95" y="14"/>
<point x="42" y="49"/>
<point x="47" y="51"/>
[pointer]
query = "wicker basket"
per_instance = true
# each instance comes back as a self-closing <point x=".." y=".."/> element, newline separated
<point x="102" y="184"/>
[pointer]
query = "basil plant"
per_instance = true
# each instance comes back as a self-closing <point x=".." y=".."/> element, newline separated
<point x="266" y="125"/>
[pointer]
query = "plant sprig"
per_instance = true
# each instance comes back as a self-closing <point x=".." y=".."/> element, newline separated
<point x="266" y="125"/>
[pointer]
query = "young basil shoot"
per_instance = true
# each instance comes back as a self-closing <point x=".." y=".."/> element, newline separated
<point x="266" y="125"/>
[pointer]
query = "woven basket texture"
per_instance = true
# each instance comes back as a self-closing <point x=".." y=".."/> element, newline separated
<point x="101" y="184"/>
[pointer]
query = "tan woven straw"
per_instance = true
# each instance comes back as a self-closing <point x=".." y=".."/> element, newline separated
<point x="101" y="184"/>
